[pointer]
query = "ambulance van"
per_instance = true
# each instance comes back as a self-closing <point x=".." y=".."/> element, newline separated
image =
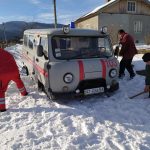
<point x="70" y="61"/>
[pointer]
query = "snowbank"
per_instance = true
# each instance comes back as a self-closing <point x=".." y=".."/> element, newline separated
<point x="95" y="123"/>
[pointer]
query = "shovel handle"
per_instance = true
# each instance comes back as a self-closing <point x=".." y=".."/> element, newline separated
<point x="137" y="95"/>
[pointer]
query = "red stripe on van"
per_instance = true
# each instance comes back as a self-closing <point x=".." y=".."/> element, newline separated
<point x="81" y="70"/>
<point x="103" y="69"/>
<point x="42" y="71"/>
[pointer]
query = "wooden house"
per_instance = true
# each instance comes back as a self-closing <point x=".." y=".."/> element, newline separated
<point x="131" y="15"/>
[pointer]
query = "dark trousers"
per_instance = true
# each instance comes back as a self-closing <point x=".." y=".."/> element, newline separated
<point x="126" y="64"/>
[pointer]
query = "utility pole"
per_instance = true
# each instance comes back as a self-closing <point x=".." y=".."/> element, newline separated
<point x="55" y="15"/>
<point x="4" y="34"/>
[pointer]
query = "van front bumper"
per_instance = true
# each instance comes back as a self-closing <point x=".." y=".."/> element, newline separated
<point x="91" y="85"/>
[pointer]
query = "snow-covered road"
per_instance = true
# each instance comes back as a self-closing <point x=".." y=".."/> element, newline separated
<point x="96" y="123"/>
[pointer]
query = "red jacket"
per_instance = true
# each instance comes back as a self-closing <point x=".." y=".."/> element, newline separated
<point x="8" y="66"/>
<point x="128" y="49"/>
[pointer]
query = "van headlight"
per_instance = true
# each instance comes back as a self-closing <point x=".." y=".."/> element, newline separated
<point x="104" y="30"/>
<point x="68" y="78"/>
<point x="113" y="73"/>
<point x="66" y="29"/>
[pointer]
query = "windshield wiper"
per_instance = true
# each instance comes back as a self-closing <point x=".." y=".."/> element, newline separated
<point x="91" y="55"/>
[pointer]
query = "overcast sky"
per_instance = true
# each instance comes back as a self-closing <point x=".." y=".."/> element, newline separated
<point x="42" y="10"/>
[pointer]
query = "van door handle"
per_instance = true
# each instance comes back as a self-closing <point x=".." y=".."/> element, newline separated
<point x="37" y="59"/>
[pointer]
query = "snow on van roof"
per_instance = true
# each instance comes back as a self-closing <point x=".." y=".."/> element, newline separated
<point x="48" y="30"/>
<point x="73" y="31"/>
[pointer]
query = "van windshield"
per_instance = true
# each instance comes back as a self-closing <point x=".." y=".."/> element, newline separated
<point x="81" y="47"/>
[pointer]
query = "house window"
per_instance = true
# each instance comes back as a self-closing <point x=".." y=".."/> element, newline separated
<point x="131" y="6"/>
<point x="138" y="26"/>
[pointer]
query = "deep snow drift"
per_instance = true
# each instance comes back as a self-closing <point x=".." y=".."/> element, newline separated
<point x="96" y="123"/>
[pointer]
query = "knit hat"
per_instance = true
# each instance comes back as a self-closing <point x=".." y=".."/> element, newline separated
<point x="146" y="57"/>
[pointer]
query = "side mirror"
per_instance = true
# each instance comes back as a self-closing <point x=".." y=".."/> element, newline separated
<point x="40" y="51"/>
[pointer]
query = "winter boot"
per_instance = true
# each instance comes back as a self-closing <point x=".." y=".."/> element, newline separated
<point x="2" y="102"/>
<point x="2" y="107"/>
<point x="25" y="93"/>
<point x="132" y="76"/>
<point x="121" y="76"/>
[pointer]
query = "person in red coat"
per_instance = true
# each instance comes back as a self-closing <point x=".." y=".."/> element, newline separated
<point x="128" y="50"/>
<point x="8" y="71"/>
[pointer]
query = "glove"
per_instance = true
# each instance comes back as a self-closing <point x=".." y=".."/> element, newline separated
<point x="147" y="88"/>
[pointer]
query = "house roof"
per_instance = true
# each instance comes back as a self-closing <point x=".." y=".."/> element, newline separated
<point x="101" y="7"/>
<point x="98" y="9"/>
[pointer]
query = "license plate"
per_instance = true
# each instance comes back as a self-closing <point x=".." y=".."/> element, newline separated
<point x="94" y="91"/>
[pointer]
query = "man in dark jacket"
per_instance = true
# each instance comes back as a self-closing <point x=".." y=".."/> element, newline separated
<point x="128" y="50"/>
<point x="8" y="71"/>
<point x="146" y="72"/>
<point x="146" y="59"/>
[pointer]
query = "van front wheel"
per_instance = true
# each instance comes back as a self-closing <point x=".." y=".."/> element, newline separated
<point x="50" y="95"/>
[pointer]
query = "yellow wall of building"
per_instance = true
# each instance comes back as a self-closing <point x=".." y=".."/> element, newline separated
<point x="90" y="23"/>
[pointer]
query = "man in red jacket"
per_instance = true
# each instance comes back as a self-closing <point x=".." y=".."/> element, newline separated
<point x="128" y="50"/>
<point x="8" y="71"/>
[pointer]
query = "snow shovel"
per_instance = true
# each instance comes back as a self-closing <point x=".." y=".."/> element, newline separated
<point x="139" y="94"/>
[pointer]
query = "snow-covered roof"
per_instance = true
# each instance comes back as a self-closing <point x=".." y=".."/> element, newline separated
<point x="104" y="5"/>
<point x="98" y="8"/>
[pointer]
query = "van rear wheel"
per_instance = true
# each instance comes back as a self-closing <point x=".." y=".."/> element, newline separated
<point x="40" y="86"/>
<point x="24" y="70"/>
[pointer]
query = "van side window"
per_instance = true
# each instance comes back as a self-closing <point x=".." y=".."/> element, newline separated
<point x="25" y="40"/>
<point x="31" y="40"/>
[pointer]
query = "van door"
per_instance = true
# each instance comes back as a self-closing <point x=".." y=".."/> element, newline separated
<point x="41" y="62"/>
<point x="29" y="52"/>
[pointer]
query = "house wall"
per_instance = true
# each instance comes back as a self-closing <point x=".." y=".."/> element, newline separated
<point x="121" y="7"/>
<point x="143" y="8"/>
<point x="111" y="8"/>
<point x="145" y="20"/>
<point x="90" y="23"/>
<point x="116" y="16"/>
<point x="114" y="22"/>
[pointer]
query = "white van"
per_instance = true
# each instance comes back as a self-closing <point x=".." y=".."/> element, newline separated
<point x="71" y="61"/>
